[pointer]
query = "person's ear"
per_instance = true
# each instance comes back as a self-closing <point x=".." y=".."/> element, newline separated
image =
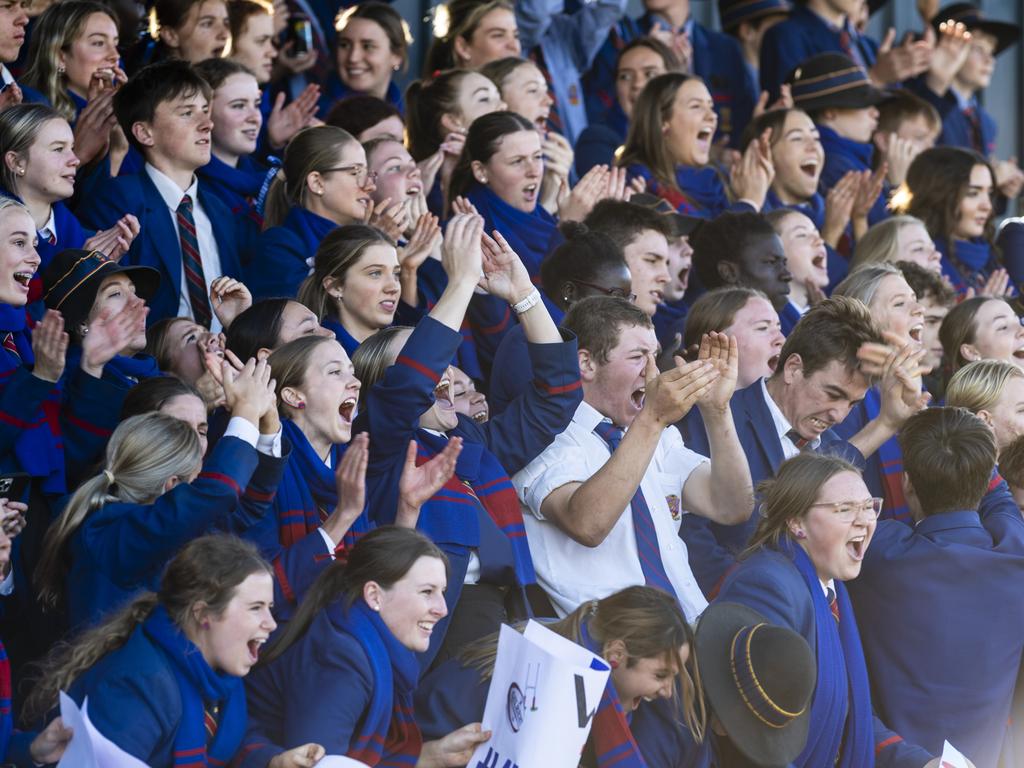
<point x="172" y="482"/>
<point x="969" y="352"/>
<point x="315" y="183"/>
<point x="479" y="171"/>
<point x="567" y="290"/>
<point x="292" y="397"/>
<point x="372" y="594"/>
<point x="614" y="652"/>
<point x="588" y="366"/>
<point x="985" y="416"/>
<point x="460" y="50"/>
<point x="451" y="123"/>
<point x="793" y="367"/>
<point x="881" y="141"/>
<point x="332" y="286"/>
<point x="200" y="614"/>
<point x="169" y="36"/>
<point x="728" y="271"/>
<point x="910" y="497"/>
<point x="796" y="529"/>
<point x="143" y="133"/>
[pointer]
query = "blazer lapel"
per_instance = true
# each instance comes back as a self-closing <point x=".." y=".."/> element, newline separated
<point x="163" y="237"/>
<point x="763" y="426"/>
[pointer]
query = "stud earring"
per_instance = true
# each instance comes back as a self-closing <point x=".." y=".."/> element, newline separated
<point x="376" y="608"/>
<point x="300" y="405"/>
<point x="613" y="664"/>
<point x="60" y="69"/>
<point x="206" y="625"/>
<point x="800" y="535"/>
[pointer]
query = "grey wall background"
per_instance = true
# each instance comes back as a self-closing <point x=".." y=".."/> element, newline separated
<point x="1004" y="98"/>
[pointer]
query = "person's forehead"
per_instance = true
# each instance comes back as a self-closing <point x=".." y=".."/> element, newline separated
<point x="636" y="337"/>
<point x="837" y="374"/>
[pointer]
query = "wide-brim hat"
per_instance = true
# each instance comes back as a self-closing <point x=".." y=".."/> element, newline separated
<point x="73" y="278"/>
<point x="682" y="225"/>
<point x="734" y="12"/>
<point x="1005" y="33"/>
<point x="832" y="81"/>
<point x="759" y="679"/>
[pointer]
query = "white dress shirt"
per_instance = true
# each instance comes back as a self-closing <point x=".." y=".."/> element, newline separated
<point x="209" y="255"/>
<point x="49" y="229"/>
<point x="571" y="573"/>
<point x="782" y="426"/>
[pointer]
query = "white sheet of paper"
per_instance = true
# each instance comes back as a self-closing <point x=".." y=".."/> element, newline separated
<point x="339" y="761"/>
<point x="88" y="747"/>
<point x="951" y="758"/>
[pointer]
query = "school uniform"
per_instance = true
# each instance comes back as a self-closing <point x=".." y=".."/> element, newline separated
<point x="28" y="95"/>
<point x="334" y="90"/>
<point x="804" y="34"/>
<point x="153" y="199"/>
<point x="716" y="58"/>
<point x="1010" y="243"/>
<point x="431" y="281"/>
<point x="837" y="264"/>
<point x="784" y="588"/>
<point x="154" y="695"/>
<point x="121" y="548"/>
<point x="598" y="142"/>
<point x="699" y="192"/>
<point x="475" y="518"/>
<point x="843" y="155"/>
<point x="965" y="122"/>
<point x="242" y="188"/>
<point x="762" y="431"/>
<point x="280" y="263"/>
<point x="968" y="263"/>
<point x="453" y="694"/>
<point x="926" y="595"/>
<point x="512" y="373"/>
<point x="564" y="46"/>
<point x="346" y="684"/>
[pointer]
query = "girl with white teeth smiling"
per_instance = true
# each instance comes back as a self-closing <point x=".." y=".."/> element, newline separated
<point x="372" y="45"/>
<point x="343" y="671"/>
<point x="232" y="174"/>
<point x="38" y="168"/>
<point x="407" y="395"/>
<point x="153" y="496"/>
<point x="669" y="146"/>
<point x="190" y="641"/>
<point x="642" y="634"/>
<point x="893" y="305"/>
<point x="817" y="520"/>
<point x="323" y="183"/>
<point x="950" y="190"/>
<point x="355" y="285"/>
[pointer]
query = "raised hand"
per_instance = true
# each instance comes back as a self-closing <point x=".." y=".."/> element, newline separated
<point x="48" y="747"/>
<point x="581" y="200"/>
<point x="417" y="485"/>
<point x="558" y="157"/>
<point x="12" y="517"/>
<point x="1009" y="177"/>
<point x="108" y="334"/>
<point x="461" y="253"/>
<point x="116" y="241"/>
<point x="997" y="285"/>
<point x="899" y="154"/>
<point x="284" y="122"/>
<point x="429" y="166"/>
<point x="839" y="207"/>
<point x="250" y="392"/>
<point x="229" y="298"/>
<point x="752" y="177"/>
<point x="306" y="756"/>
<point x="504" y="274"/>
<point x="387" y="217"/>
<point x="426" y="236"/>
<point x="949" y="54"/>
<point x="462" y="205"/>
<point x="10" y="96"/>
<point x="869" y="188"/>
<point x="93" y="127"/>
<point x="901" y="390"/>
<point x="49" y="347"/>
<point x="908" y="60"/>
<point x="671" y="395"/>
<point x="350" y="481"/>
<point x="455" y="749"/>
<point x="722" y="352"/>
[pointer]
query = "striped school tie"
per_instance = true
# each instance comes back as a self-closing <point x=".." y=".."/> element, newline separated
<point x="833" y="602"/>
<point x="10" y="345"/>
<point x="797" y="439"/>
<point x="191" y="262"/>
<point x="643" y="524"/>
<point x="210" y="713"/>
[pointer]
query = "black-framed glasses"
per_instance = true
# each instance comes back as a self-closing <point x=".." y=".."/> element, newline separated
<point x="848" y="511"/>
<point x="618" y="293"/>
<point x="357" y="171"/>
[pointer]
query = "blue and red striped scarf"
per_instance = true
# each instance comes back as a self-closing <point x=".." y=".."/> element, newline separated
<point x="479" y="481"/>
<point x="308" y="493"/>
<point x="388" y="735"/>
<point x="39" y="449"/>
<point x="610" y="734"/>
<point x="698" y="192"/>
<point x="891" y="459"/>
<point x="6" y="721"/>
<point x="200" y="687"/>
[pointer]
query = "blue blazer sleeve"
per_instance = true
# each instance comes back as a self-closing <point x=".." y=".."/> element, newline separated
<point x="89" y="416"/>
<point x="768" y="583"/>
<point x="449" y="697"/>
<point x="21" y="398"/>
<point x="279" y="266"/>
<point x="258" y="497"/>
<point x="136" y="542"/>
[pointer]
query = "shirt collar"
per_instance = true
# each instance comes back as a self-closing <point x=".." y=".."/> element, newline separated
<point x="588" y="417"/>
<point x="782" y="425"/>
<point x="169" y="191"/>
<point x="963" y="102"/>
<point x="5" y="75"/>
<point x="49" y="229"/>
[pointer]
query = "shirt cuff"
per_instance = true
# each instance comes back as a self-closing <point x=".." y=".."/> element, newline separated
<point x="7" y="585"/>
<point x="244" y="430"/>
<point x="331" y="546"/>
<point x="270" y="445"/>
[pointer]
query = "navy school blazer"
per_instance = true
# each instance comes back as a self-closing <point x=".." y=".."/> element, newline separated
<point x="711" y="546"/>
<point x="158" y="245"/>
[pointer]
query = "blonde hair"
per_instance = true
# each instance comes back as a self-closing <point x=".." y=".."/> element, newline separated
<point x="647" y="621"/>
<point x="289" y="363"/>
<point x="54" y="31"/>
<point x="881" y="243"/>
<point x="311" y="150"/>
<point x="862" y="284"/>
<point x="20" y="124"/>
<point x="143" y="454"/>
<point x="979" y="385"/>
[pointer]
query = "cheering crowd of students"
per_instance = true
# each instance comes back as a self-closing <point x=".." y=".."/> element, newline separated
<point x="701" y="347"/>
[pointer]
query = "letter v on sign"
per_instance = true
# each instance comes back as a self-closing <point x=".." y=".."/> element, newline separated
<point x="583" y="717"/>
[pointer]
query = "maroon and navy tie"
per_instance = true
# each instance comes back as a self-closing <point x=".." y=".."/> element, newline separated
<point x="191" y="262"/>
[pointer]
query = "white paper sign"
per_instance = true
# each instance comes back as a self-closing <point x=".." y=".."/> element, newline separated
<point x="338" y="761"/>
<point x="541" y="702"/>
<point x="88" y="747"/>
<point x="951" y="758"/>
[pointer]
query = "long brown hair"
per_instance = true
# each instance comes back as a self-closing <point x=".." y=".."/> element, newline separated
<point x="384" y="555"/>
<point x="790" y="494"/>
<point x="645" y="143"/>
<point x="207" y="570"/>
<point x="646" y="620"/>
<point x="336" y="254"/>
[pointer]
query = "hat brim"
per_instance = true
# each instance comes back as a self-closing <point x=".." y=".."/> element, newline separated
<point x="860" y="97"/>
<point x="1005" y="33"/>
<point x="76" y="307"/>
<point x="768" y="747"/>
